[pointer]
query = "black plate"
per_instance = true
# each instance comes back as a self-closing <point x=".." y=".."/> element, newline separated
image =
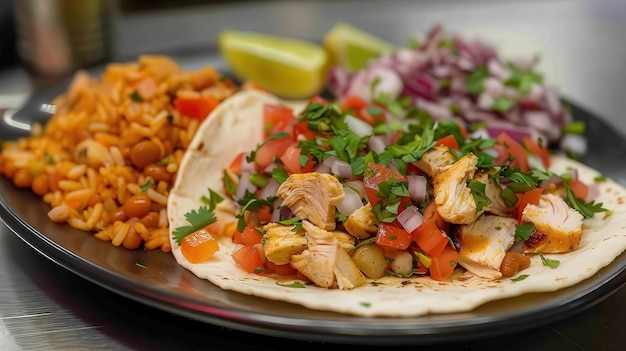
<point x="167" y="286"/>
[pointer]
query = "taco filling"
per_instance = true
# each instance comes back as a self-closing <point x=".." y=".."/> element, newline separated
<point x="352" y="208"/>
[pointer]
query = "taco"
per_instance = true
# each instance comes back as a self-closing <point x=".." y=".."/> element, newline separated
<point x="565" y="238"/>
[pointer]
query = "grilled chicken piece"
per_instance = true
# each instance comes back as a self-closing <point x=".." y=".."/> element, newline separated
<point x="484" y="243"/>
<point x="325" y="258"/>
<point x="492" y="191"/>
<point x="281" y="242"/>
<point x="347" y="274"/>
<point x="453" y="197"/>
<point x="435" y="160"/>
<point x="312" y="196"/>
<point x="558" y="227"/>
<point x="361" y="223"/>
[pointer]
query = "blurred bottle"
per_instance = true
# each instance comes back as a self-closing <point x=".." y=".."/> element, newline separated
<point x="56" y="37"/>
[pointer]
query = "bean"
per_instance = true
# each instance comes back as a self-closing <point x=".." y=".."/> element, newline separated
<point x="145" y="153"/>
<point x="513" y="262"/>
<point x="22" y="178"/>
<point x="132" y="239"/>
<point x="137" y="205"/>
<point x="9" y="169"/>
<point x="158" y="173"/>
<point x="151" y="220"/>
<point x="117" y="216"/>
<point x="40" y="185"/>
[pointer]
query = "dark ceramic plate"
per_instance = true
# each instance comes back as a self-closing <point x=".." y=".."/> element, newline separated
<point x="154" y="278"/>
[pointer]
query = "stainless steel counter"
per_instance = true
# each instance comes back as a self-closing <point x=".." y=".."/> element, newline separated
<point x="583" y="47"/>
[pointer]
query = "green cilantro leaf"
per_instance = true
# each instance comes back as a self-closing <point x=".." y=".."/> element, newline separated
<point x="588" y="209"/>
<point x="197" y="219"/>
<point x="477" y="189"/>
<point x="147" y="185"/>
<point x="279" y="175"/>
<point x="524" y="231"/>
<point x="519" y="278"/>
<point x="475" y="80"/>
<point x="136" y="97"/>
<point x="294" y="284"/>
<point x="548" y="262"/>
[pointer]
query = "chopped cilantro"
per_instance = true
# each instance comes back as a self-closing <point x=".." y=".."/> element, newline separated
<point x="136" y="97"/>
<point x="503" y="104"/>
<point x="548" y="262"/>
<point x="475" y="80"/>
<point x="197" y="219"/>
<point x="279" y="175"/>
<point x="574" y="127"/>
<point x="524" y="231"/>
<point x="365" y="304"/>
<point x="477" y="189"/>
<point x="165" y="161"/>
<point x="147" y="185"/>
<point x="49" y="159"/>
<point x="519" y="277"/>
<point x="587" y="209"/>
<point x="294" y="284"/>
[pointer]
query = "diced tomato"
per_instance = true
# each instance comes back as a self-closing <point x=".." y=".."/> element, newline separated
<point x="199" y="246"/>
<point x="318" y="99"/>
<point x="235" y="165"/>
<point x="354" y="103"/>
<point x="391" y="236"/>
<point x="430" y="238"/>
<point x="449" y="141"/>
<point x="443" y="265"/>
<point x="291" y="160"/>
<point x="302" y="130"/>
<point x="540" y="151"/>
<point x="512" y="152"/>
<point x="249" y="258"/>
<point x="249" y="236"/>
<point x="280" y="269"/>
<point x="432" y="215"/>
<point x="580" y="189"/>
<point x="530" y="197"/>
<point x="277" y="119"/>
<point x="366" y="114"/>
<point x="198" y="108"/>
<point x="375" y="174"/>
<point x="273" y="148"/>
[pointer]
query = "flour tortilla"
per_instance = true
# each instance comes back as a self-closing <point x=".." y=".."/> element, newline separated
<point x="236" y="126"/>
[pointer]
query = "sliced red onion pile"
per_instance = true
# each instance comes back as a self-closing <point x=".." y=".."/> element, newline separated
<point x="450" y="77"/>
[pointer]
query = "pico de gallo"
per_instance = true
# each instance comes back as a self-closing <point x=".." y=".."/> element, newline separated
<point x="390" y="169"/>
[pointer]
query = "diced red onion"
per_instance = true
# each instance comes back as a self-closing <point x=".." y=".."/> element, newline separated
<point x="376" y="143"/>
<point x="245" y="165"/>
<point x="341" y="168"/>
<point x="594" y="191"/>
<point x="574" y="143"/>
<point x="418" y="188"/>
<point x="357" y="186"/>
<point x="410" y="218"/>
<point x="350" y="203"/>
<point x="244" y="184"/>
<point x="269" y="189"/>
<point x="493" y="87"/>
<point x="553" y="180"/>
<point x="359" y="126"/>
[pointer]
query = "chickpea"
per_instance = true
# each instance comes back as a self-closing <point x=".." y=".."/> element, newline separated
<point x="22" y="178"/>
<point x="137" y="206"/>
<point x="145" y="153"/>
<point x="40" y="185"/>
<point x="370" y="259"/>
<point x="158" y="173"/>
<point x="513" y="262"/>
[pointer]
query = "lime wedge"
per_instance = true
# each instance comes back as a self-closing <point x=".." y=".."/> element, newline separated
<point x="352" y="47"/>
<point x="288" y="68"/>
